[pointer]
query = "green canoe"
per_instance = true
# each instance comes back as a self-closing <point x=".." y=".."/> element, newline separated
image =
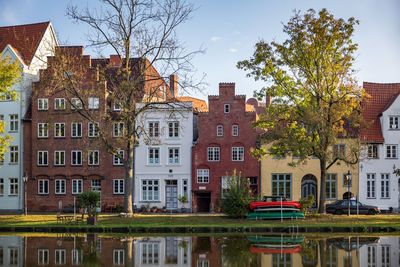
<point x="274" y="239"/>
<point x="275" y="215"/>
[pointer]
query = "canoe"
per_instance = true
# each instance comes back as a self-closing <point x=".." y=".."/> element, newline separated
<point x="295" y="204"/>
<point x="275" y="239"/>
<point x="275" y="215"/>
<point x="283" y="208"/>
<point x="254" y="249"/>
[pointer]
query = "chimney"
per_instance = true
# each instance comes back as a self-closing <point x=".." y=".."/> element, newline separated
<point x="115" y="61"/>
<point x="173" y="85"/>
<point x="267" y="100"/>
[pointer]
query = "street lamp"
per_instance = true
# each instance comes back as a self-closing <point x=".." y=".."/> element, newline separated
<point x="348" y="177"/>
<point x="25" y="178"/>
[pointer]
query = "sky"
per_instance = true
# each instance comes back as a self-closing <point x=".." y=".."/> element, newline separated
<point x="229" y="29"/>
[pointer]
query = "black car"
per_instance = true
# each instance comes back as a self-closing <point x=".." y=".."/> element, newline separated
<point x="342" y="207"/>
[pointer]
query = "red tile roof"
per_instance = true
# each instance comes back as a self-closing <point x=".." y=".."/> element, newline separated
<point x="382" y="96"/>
<point x="198" y="104"/>
<point x="25" y="39"/>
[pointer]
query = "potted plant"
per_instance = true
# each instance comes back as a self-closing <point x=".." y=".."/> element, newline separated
<point x="155" y="209"/>
<point x="148" y="207"/>
<point x="183" y="200"/>
<point x="89" y="200"/>
<point x="164" y="208"/>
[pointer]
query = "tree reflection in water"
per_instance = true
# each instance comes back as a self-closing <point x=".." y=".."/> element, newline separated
<point x="236" y="252"/>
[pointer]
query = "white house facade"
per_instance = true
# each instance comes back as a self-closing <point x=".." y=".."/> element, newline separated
<point x="378" y="184"/>
<point x="12" y="112"/>
<point x="163" y="158"/>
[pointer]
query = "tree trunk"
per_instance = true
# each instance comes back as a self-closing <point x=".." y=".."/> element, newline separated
<point x="322" y="191"/>
<point x="129" y="170"/>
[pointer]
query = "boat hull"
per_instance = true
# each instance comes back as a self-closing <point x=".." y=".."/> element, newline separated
<point x="294" y="204"/>
<point x="275" y="215"/>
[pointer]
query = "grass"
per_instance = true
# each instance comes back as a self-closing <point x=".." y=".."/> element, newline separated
<point x="150" y="221"/>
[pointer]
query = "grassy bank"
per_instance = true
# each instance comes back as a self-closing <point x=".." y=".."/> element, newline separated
<point x="157" y="221"/>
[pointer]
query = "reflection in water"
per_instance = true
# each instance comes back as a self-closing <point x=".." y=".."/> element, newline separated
<point x="197" y="251"/>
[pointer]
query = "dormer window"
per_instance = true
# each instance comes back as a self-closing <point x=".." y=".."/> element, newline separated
<point x="227" y="108"/>
<point x="394" y="123"/>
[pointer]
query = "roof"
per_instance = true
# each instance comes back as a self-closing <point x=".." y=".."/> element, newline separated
<point x="382" y="96"/>
<point x="25" y="39"/>
<point x="198" y="104"/>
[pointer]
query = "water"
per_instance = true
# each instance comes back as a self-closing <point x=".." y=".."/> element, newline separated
<point x="197" y="251"/>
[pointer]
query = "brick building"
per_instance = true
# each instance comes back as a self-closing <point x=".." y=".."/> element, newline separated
<point x="225" y="136"/>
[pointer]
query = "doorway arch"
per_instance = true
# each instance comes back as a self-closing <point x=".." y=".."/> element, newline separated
<point x="309" y="186"/>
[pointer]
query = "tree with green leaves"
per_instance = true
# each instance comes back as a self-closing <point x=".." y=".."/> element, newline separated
<point x="10" y="74"/>
<point x="315" y="98"/>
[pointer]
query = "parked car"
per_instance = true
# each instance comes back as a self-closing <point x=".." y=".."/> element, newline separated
<point x="341" y="207"/>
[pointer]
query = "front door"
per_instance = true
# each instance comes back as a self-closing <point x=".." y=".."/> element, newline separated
<point x="171" y="194"/>
<point x="309" y="187"/>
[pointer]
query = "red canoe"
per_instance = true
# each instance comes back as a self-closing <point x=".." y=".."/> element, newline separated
<point x="254" y="249"/>
<point x="295" y="204"/>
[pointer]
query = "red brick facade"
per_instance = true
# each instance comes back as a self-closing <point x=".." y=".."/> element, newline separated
<point x="206" y="194"/>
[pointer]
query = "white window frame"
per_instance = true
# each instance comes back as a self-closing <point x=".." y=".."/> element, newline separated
<point x="77" y="186"/>
<point x="227" y="108"/>
<point x="385" y="185"/>
<point x="13" y="186"/>
<point x="59" y="256"/>
<point x="118" y="257"/>
<point x="371" y="185"/>
<point x="14" y="123"/>
<point x="76" y="129"/>
<point x="150" y="186"/>
<point x="118" y="129"/>
<point x="235" y="130"/>
<point x="154" y="128"/>
<point x="116" y="160"/>
<point x="43" y="158"/>
<point x="93" y="102"/>
<point x="93" y="157"/>
<point x="60" y="187"/>
<point x="43" y="186"/>
<point x="78" y="160"/>
<point x="43" y="130"/>
<point x="220" y="130"/>
<point x="1" y="186"/>
<point x="14" y="155"/>
<point x="59" y="103"/>
<point x="76" y="257"/>
<point x="391" y="151"/>
<point x="43" y="104"/>
<point x="173" y="129"/>
<point x="237" y="153"/>
<point x="116" y="106"/>
<point x="76" y="103"/>
<point x="93" y="129"/>
<point x="213" y="154"/>
<point x="174" y="155"/>
<point x="373" y="151"/>
<point x="59" y="158"/>
<point x="59" y="130"/>
<point x="42" y="259"/>
<point x="152" y="152"/>
<point x="394" y="122"/>
<point x="118" y="186"/>
<point x="203" y="176"/>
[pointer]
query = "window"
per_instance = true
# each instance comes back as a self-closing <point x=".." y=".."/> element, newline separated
<point x="227" y="108"/>
<point x="93" y="103"/>
<point x="43" y="104"/>
<point x="59" y="258"/>
<point x="43" y="187"/>
<point x="76" y="103"/>
<point x="372" y="151"/>
<point x="150" y="253"/>
<point x="385" y="185"/>
<point x="370" y="185"/>
<point x="76" y="256"/>
<point x="43" y="130"/>
<point x="43" y="256"/>
<point x="173" y="155"/>
<point x="118" y="258"/>
<point x="331" y="256"/>
<point x="13" y="154"/>
<point x="346" y="182"/>
<point x="203" y="263"/>
<point x="1" y="186"/>
<point x="76" y="157"/>
<point x="213" y="153"/>
<point x="203" y="176"/>
<point x="237" y="153"/>
<point x="13" y="122"/>
<point x="150" y="190"/>
<point x="59" y="158"/>
<point x="59" y="130"/>
<point x="59" y="104"/>
<point x="281" y="185"/>
<point x="13" y="183"/>
<point x="385" y="254"/>
<point x="391" y="151"/>
<point x="118" y="186"/>
<point x="154" y="129"/>
<point x="117" y="160"/>
<point x="76" y="129"/>
<point x="331" y="186"/>
<point x="60" y="186"/>
<point x="77" y="186"/>
<point x="116" y="106"/>
<point x="235" y="130"/>
<point x="220" y="130"/>
<point x="154" y="155"/>
<point x="284" y="260"/>
<point x="173" y="129"/>
<point x="118" y="129"/>
<point x="339" y="151"/>
<point x="96" y="185"/>
<point x="394" y="123"/>
<point x="93" y="129"/>
<point x="43" y="158"/>
<point x="13" y="256"/>
<point x="371" y="256"/>
<point x="185" y="187"/>
<point x="93" y="157"/>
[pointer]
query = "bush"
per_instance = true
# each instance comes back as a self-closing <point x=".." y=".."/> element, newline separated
<point x="306" y="204"/>
<point x="238" y="197"/>
<point x="89" y="200"/>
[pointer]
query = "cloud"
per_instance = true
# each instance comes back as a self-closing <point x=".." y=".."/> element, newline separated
<point x="215" y="38"/>
<point x="232" y="50"/>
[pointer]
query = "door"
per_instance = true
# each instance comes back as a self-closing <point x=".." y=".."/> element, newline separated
<point x="171" y="194"/>
<point x="309" y="187"/>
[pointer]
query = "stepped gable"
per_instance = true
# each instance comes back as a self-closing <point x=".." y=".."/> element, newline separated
<point x="382" y="96"/>
<point x="25" y="39"/>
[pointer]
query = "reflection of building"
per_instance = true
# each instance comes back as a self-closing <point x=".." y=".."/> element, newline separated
<point x="11" y="251"/>
<point x="386" y="253"/>
<point x="206" y="251"/>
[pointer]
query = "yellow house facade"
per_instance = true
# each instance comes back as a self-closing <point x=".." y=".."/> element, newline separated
<point x="279" y="178"/>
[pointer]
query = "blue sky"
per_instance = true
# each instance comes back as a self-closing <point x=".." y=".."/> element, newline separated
<point x="228" y="30"/>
